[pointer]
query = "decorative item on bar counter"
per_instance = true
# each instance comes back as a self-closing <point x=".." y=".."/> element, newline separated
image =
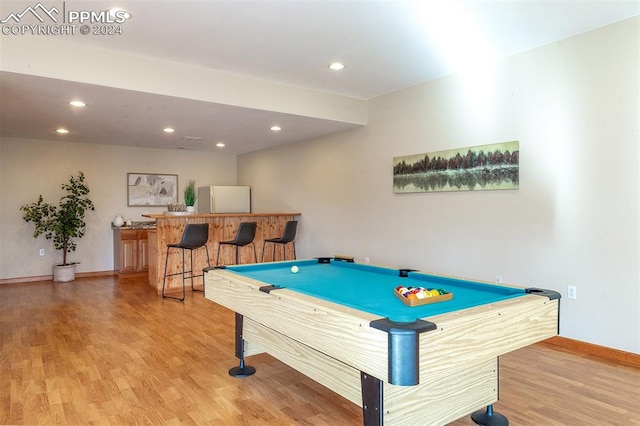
<point x="190" y="196"/>
<point x="176" y="209"/>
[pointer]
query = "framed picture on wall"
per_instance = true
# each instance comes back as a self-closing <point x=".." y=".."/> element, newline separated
<point x="476" y="168"/>
<point x="151" y="189"/>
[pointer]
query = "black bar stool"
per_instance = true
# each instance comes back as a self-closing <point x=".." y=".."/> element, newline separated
<point x="193" y="237"/>
<point x="245" y="236"/>
<point x="287" y="237"/>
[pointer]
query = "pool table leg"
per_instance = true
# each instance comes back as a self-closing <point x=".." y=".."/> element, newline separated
<point x="372" y="400"/>
<point x="241" y="370"/>
<point x="489" y="418"/>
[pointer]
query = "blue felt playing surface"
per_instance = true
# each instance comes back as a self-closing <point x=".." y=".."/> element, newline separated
<point x="370" y="288"/>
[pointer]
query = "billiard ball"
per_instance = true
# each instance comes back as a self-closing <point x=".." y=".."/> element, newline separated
<point x="294" y="269"/>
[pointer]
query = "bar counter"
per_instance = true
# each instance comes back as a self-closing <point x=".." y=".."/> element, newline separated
<point x="222" y="227"/>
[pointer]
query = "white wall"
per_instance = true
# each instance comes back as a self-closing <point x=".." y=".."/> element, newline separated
<point x="574" y="107"/>
<point x="31" y="167"/>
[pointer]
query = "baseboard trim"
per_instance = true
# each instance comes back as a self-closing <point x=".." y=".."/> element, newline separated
<point x="50" y="277"/>
<point x="584" y="348"/>
<point x="95" y="274"/>
<point x="26" y="279"/>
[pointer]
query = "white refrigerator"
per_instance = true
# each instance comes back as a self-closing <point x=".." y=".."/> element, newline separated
<point x="224" y="199"/>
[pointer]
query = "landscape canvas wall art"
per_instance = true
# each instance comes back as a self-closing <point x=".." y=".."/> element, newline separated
<point x="484" y="167"/>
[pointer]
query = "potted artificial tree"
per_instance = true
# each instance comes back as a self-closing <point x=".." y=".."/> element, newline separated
<point x="190" y="196"/>
<point x="62" y="223"/>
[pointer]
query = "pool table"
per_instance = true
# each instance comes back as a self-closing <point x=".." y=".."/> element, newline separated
<point x="341" y="324"/>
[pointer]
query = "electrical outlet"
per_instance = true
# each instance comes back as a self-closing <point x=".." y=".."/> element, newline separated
<point x="41" y="252"/>
<point x="498" y="279"/>
<point x="572" y="292"/>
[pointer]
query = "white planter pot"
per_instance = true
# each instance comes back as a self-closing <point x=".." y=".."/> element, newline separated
<point x="64" y="273"/>
<point x="191" y="209"/>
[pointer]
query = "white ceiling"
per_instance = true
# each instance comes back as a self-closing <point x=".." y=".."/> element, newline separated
<point x="385" y="45"/>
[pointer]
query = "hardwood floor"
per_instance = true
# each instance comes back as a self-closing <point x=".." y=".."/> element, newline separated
<point x="108" y="351"/>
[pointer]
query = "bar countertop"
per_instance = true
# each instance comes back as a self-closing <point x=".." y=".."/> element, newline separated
<point x="222" y="227"/>
<point x="205" y="215"/>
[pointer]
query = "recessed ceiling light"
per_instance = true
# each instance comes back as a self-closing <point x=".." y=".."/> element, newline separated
<point x="336" y="66"/>
<point x="77" y="103"/>
<point x="62" y="131"/>
<point x="276" y="128"/>
<point x="168" y="130"/>
<point x="220" y="145"/>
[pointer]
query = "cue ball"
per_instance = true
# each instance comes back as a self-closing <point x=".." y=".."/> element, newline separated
<point x="294" y="269"/>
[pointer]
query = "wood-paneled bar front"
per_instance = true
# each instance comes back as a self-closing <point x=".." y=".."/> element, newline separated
<point x="222" y="227"/>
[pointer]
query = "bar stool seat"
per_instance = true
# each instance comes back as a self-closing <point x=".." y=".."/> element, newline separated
<point x="287" y="237"/>
<point x="194" y="237"/>
<point x="245" y="236"/>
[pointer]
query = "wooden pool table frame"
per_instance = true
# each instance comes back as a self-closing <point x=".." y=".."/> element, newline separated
<point x="336" y="346"/>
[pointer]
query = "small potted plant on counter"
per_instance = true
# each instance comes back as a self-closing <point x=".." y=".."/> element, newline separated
<point x="190" y="196"/>
<point x="62" y="223"/>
